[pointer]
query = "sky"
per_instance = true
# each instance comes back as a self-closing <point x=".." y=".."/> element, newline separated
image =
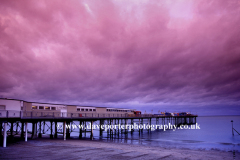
<point x="149" y="55"/>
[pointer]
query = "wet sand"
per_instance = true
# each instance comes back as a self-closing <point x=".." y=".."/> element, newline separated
<point x="86" y="149"/>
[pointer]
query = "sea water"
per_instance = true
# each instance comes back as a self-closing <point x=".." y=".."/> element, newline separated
<point x="215" y="133"/>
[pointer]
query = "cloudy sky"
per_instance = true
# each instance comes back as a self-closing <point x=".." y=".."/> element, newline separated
<point x="149" y="55"/>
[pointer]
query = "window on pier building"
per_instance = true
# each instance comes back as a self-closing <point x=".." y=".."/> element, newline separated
<point x="34" y="107"/>
<point x="86" y="110"/>
<point x="78" y="109"/>
<point x="82" y="109"/>
<point x="94" y="110"/>
<point x="90" y="109"/>
<point x="53" y="108"/>
<point x="41" y="107"/>
<point x="47" y="108"/>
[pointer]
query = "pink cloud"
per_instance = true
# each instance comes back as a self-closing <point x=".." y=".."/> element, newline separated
<point x="120" y="52"/>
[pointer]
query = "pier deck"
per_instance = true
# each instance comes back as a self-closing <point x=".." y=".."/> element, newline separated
<point x="16" y="122"/>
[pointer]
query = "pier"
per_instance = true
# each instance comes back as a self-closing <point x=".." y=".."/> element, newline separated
<point x="14" y="123"/>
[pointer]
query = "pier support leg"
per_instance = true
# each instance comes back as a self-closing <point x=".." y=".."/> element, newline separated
<point x="5" y="135"/>
<point x="26" y="131"/>
<point x="132" y="123"/>
<point x="111" y="130"/>
<point x="118" y="127"/>
<point x="80" y="130"/>
<point x="91" y="130"/>
<point x="100" y="130"/>
<point x="33" y="130"/>
<point x="17" y="127"/>
<point x="55" y="134"/>
<point x="22" y="130"/>
<point x="35" y="133"/>
<point x="44" y="127"/>
<point x="150" y="124"/>
<point x="121" y="125"/>
<point x="85" y="128"/>
<point x="108" y="128"/>
<point x="11" y="131"/>
<point x="68" y="130"/>
<point x="64" y="130"/>
<point x="1" y="136"/>
<point x="115" y="129"/>
<point x="51" y="134"/>
<point x="40" y="130"/>
<point x="138" y="126"/>
<point x="126" y="123"/>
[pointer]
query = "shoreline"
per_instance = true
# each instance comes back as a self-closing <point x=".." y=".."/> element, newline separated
<point x="87" y="149"/>
<point x="169" y="147"/>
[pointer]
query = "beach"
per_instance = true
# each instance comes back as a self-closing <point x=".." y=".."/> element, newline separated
<point x="87" y="149"/>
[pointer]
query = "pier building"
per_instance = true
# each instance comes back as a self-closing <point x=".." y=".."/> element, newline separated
<point x="15" y="115"/>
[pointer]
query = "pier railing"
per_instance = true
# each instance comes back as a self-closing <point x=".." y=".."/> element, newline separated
<point x="51" y="115"/>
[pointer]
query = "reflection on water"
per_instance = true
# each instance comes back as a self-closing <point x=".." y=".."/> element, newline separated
<point x="234" y="156"/>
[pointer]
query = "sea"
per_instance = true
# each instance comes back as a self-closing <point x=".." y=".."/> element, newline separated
<point x="215" y="133"/>
<point x="212" y="133"/>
